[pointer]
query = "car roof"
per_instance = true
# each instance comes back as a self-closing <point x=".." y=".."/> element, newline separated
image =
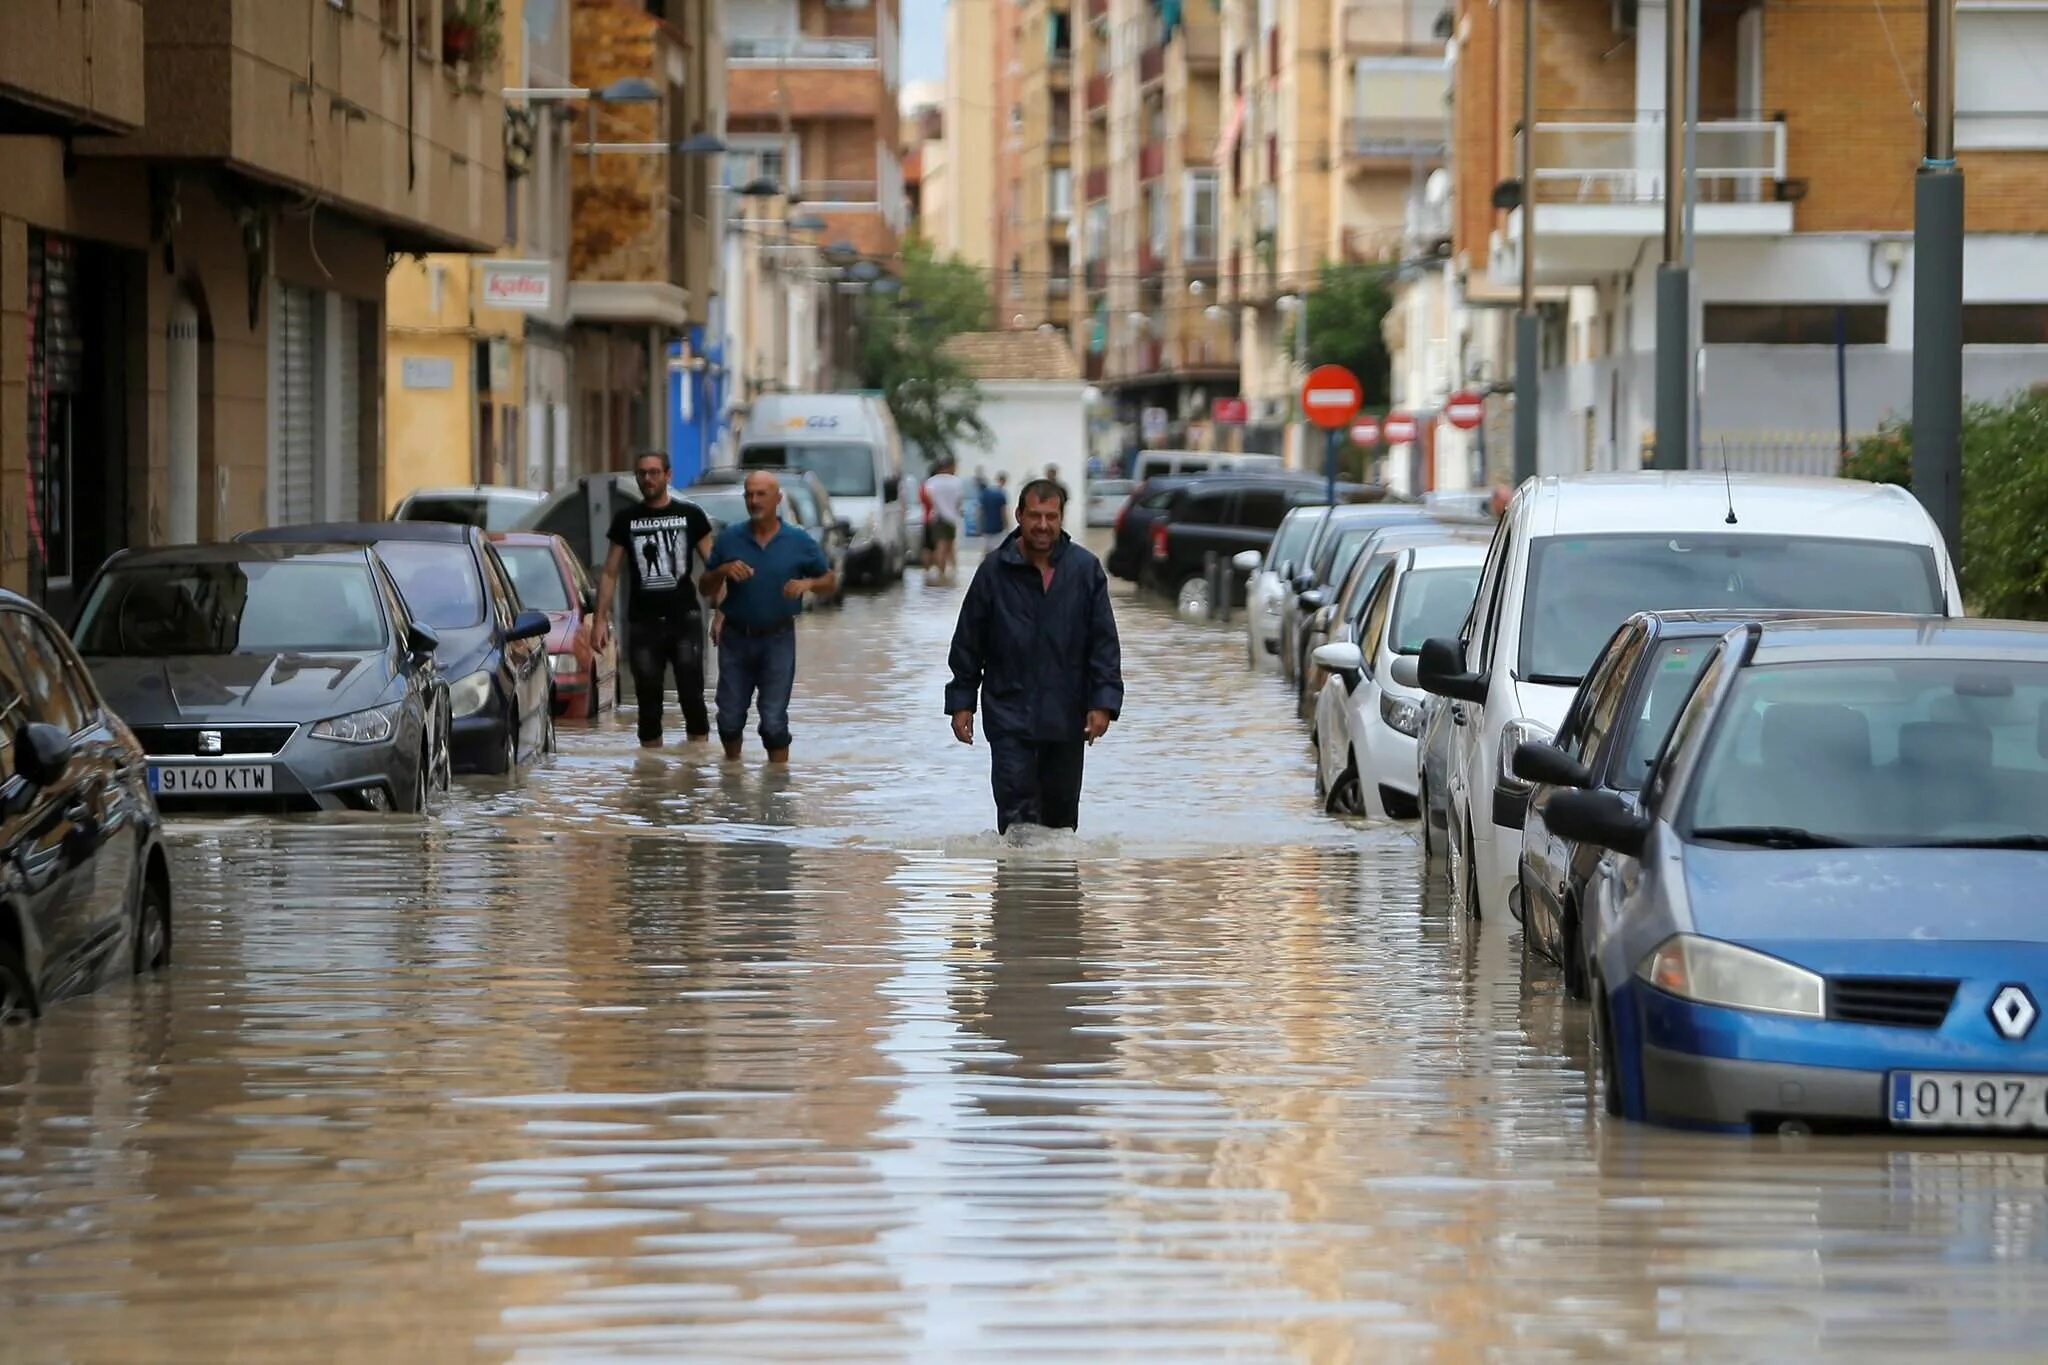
<point x="241" y="552"/>
<point x="1891" y="637"/>
<point x="1694" y="622"/>
<point x="1445" y="554"/>
<point x="1698" y="500"/>
<point x="360" y="532"/>
<point x="488" y="490"/>
<point x="1268" y="478"/>
<point x="547" y="538"/>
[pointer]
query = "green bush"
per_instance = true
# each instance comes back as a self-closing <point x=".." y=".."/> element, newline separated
<point x="2004" y="559"/>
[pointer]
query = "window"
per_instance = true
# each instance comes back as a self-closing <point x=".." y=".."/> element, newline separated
<point x="13" y="709"/>
<point x="1432" y="604"/>
<point x="439" y="580"/>
<point x="1672" y="674"/>
<point x="2001" y="56"/>
<point x="1793" y="324"/>
<point x="1016" y="277"/>
<point x="2005" y="324"/>
<point x="1155" y="222"/>
<point x="1262" y="507"/>
<point x="1205" y="509"/>
<point x="1060" y="191"/>
<point x="1199" y="211"/>
<point x="537" y="576"/>
<point x="46" y="672"/>
<point x="211" y="610"/>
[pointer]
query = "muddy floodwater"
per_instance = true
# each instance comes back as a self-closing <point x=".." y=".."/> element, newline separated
<point x="650" y="1057"/>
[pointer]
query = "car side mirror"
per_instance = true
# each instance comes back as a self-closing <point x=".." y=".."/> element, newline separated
<point x="529" y="625"/>
<point x="1406" y="671"/>
<point x="421" y="640"/>
<point x="1601" y="819"/>
<point x="42" y="755"/>
<point x="1441" y="669"/>
<point x="1246" y="561"/>
<point x="1345" y="659"/>
<point x="1302" y="582"/>
<point x="1549" y="766"/>
<point x="892" y="487"/>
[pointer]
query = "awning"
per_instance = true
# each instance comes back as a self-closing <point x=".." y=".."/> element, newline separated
<point x="1227" y="143"/>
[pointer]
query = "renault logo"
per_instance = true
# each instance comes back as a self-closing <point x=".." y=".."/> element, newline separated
<point x="2014" y="1012"/>
<point x="209" y="742"/>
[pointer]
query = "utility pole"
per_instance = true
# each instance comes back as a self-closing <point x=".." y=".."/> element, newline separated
<point x="1674" y="281"/>
<point x="1528" y="337"/>
<point x="1938" y="291"/>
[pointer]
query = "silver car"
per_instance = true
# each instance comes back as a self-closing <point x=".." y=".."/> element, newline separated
<point x="270" y="677"/>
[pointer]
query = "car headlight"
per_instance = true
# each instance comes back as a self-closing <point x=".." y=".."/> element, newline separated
<point x="1401" y="715"/>
<point x="1512" y="735"/>
<point x="373" y="726"/>
<point x="1710" y="972"/>
<point x="469" y="696"/>
<point x="562" y="663"/>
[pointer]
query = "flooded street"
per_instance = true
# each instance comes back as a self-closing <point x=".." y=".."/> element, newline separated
<point x="651" y="1056"/>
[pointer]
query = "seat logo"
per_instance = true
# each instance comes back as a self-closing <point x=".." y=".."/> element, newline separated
<point x="209" y="742"/>
<point x="2013" y="1012"/>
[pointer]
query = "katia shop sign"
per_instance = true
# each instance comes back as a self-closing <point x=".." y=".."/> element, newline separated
<point x="524" y="285"/>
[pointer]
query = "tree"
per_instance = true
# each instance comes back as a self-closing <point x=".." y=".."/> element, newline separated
<point x="1345" y="310"/>
<point x="933" y="397"/>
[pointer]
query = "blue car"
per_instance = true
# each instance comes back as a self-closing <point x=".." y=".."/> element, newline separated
<point x="1826" y="909"/>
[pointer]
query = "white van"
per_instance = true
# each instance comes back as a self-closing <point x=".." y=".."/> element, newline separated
<point x="1159" y="464"/>
<point x="1575" y="557"/>
<point x="849" y="441"/>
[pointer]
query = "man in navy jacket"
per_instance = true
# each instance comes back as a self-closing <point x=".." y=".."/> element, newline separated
<point x="1037" y="643"/>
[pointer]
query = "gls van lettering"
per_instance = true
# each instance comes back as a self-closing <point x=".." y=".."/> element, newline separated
<point x="820" y="423"/>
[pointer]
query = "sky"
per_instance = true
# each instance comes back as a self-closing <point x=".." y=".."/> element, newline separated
<point x="924" y="40"/>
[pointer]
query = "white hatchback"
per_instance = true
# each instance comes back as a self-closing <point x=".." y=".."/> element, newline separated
<point x="1575" y="557"/>
<point x="1367" y="722"/>
<point x="1268" y="574"/>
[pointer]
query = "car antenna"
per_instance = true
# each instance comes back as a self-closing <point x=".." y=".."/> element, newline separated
<point x="1728" y="481"/>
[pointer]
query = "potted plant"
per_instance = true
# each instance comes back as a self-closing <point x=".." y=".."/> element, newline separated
<point x="469" y="32"/>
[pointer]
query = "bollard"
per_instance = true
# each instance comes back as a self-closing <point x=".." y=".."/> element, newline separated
<point x="1209" y="562"/>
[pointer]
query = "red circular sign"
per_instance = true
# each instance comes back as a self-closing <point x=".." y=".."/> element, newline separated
<point x="1365" y="432"/>
<point x="1465" y="410"/>
<point x="1331" y="397"/>
<point x="1399" y="428"/>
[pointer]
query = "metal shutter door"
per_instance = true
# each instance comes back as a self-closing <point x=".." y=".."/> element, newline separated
<point x="348" y="470"/>
<point x="293" y="419"/>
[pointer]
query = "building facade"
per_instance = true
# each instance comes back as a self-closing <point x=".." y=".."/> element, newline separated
<point x="197" y="202"/>
<point x="1035" y="174"/>
<point x="1809" y="137"/>
<point x="961" y="212"/>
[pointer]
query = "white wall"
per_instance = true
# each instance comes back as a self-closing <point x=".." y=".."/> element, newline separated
<point x="1033" y="424"/>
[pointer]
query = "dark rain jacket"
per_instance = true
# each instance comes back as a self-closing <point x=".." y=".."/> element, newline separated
<point x="1040" y="658"/>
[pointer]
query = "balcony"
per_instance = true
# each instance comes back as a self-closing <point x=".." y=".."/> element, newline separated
<point x="1202" y="48"/>
<point x="1401" y="140"/>
<point x="313" y="100"/>
<point x="1098" y="93"/>
<point x="1198" y="248"/>
<point x="73" y="69"/>
<point x="1096" y="185"/>
<point x="1152" y="161"/>
<point x="1152" y="65"/>
<point x="1151" y="261"/>
<point x="808" y="53"/>
<point x="1094" y="275"/>
<point x="1601" y="191"/>
<point x="1410" y="26"/>
<point x="1060" y="69"/>
<point x="838" y="196"/>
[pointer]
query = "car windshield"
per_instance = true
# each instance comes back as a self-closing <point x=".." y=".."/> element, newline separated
<point x="155" y="611"/>
<point x="1674" y="668"/>
<point x="491" y="513"/>
<point x="1342" y="552"/>
<point x="846" y="469"/>
<point x="537" y="575"/>
<point x="1291" y="542"/>
<point x="438" y="580"/>
<point x="1909" y="751"/>
<point x="1581" y="588"/>
<point x="797" y="498"/>
<point x="1432" y="604"/>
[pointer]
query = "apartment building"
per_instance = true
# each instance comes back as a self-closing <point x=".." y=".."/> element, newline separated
<point x="962" y="209"/>
<point x="1335" y="113"/>
<point x="198" y="199"/>
<point x="1034" y="166"/>
<point x="1153" y="337"/>
<point x="1808" y="140"/>
<point x="811" y="90"/>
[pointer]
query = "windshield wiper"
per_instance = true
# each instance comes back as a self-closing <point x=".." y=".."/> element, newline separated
<point x="1772" y="836"/>
<point x="1553" y="679"/>
<point x="2021" y="841"/>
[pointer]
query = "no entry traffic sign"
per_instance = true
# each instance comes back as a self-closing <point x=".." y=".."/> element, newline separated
<point x="1465" y="410"/>
<point x="1365" y="432"/>
<point x="1331" y="397"/>
<point x="1399" y="428"/>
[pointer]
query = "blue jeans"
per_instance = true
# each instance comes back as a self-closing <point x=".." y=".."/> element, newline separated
<point x="756" y="664"/>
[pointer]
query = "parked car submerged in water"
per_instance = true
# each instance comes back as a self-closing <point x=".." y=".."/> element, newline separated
<point x="487" y="507"/>
<point x="549" y="579"/>
<point x="85" y="886"/>
<point x="269" y="677"/>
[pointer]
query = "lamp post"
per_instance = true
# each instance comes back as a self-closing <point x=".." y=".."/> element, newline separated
<point x="1528" y="332"/>
<point x="1938" y="291"/>
<point x="1674" y="281"/>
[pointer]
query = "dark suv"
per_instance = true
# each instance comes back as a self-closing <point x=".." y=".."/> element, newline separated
<point x="1132" y="544"/>
<point x="1227" y="513"/>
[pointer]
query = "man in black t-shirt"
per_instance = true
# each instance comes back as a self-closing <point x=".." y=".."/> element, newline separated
<point x="664" y="619"/>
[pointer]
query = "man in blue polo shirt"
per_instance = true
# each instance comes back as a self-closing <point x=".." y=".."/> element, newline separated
<point x="765" y="566"/>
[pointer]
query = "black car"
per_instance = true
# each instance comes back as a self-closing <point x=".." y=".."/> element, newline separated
<point x="493" y="651"/>
<point x="270" y="677"/>
<point x="1609" y="741"/>
<point x="1224" y="514"/>
<point x="1131" y="544"/>
<point x="85" y="888"/>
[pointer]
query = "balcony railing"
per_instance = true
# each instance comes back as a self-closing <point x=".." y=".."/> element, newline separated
<point x="1395" y="138"/>
<point x="1152" y="161"/>
<point x="1739" y="161"/>
<point x="1098" y="91"/>
<point x="1410" y="26"/>
<point x="1203" y="48"/>
<point x="835" y="52"/>
<point x="827" y="194"/>
<point x="1096" y="186"/>
<point x="1198" y="245"/>
<point x="1059" y="286"/>
<point x="1094" y="273"/>
<point x="1151" y="64"/>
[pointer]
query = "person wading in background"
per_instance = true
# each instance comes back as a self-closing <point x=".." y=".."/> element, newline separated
<point x="995" y="513"/>
<point x="764" y="566"/>
<point x="664" y="619"/>
<point x="945" y="491"/>
<point x="1037" y="645"/>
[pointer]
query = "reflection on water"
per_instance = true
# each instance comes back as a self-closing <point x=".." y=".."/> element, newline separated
<point x="655" y="1056"/>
